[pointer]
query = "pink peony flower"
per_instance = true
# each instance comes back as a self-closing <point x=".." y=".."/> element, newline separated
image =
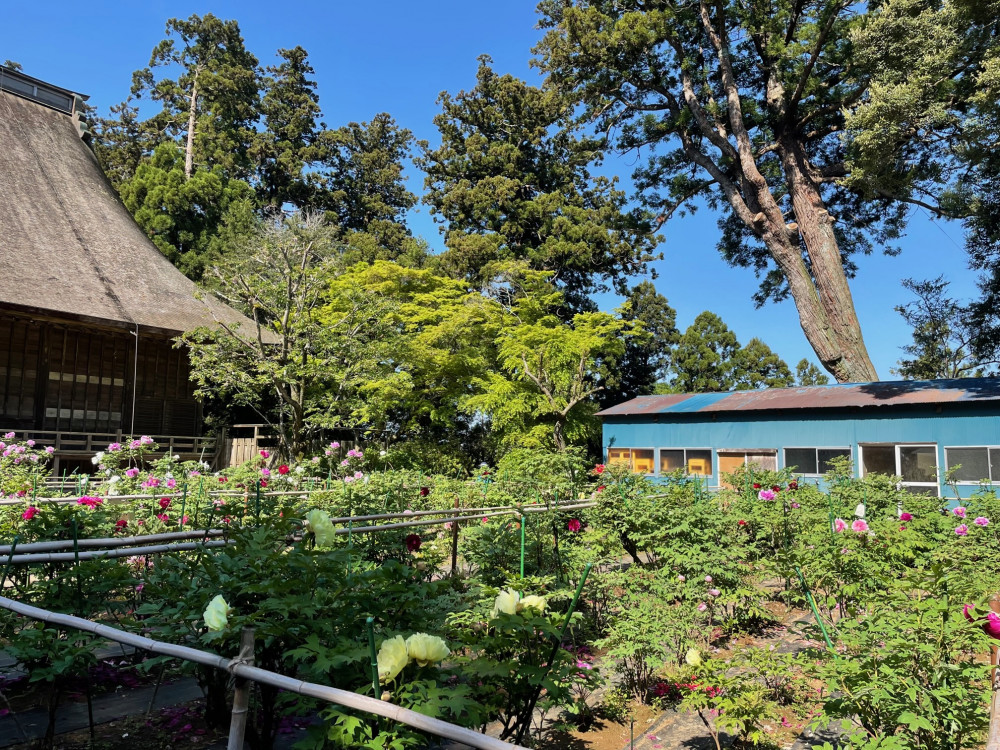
<point x="859" y="526"/>
<point x="163" y="517"/>
<point x="334" y="445"/>
<point x="131" y="473"/>
<point x="49" y="449"/>
<point x="681" y="578"/>
<point x="574" y="524"/>
<point x="30" y="513"/>
<point x="959" y="511"/>
<point x="766" y="495"/>
<point x="708" y="579"/>
<point x="358" y="475"/>
<point x="905" y="516"/>
<point x="714" y="592"/>
<point x="839" y="525"/>
<point x="982" y="521"/>
<point x="702" y="607"/>
<point x="991" y="623"/>
<point x="962" y="530"/>
<point x="265" y="454"/>
<point x="265" y="472"/>
<point x="171" y="483"/>
<point x="151" y="482"/>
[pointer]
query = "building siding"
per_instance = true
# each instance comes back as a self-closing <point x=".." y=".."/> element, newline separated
<point x="945" y="426"/>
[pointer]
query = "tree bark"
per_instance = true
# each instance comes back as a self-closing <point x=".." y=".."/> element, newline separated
<point x="192" y="117"/>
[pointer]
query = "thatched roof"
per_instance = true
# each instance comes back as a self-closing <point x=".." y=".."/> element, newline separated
<point x="67" y="244"/>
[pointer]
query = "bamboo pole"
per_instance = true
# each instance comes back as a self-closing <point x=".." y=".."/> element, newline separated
<point x="241" y="694"/>
<point x="292" y="685"/>
<point x="155" y="549"/>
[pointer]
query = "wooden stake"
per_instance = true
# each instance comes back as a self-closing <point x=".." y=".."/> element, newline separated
<point x="241" y="696"/>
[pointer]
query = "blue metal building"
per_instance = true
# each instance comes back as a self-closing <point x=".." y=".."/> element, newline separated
<point x="914" y="429"/>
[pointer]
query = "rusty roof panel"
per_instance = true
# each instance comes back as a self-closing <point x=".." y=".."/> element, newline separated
<point x="838" y="396"/>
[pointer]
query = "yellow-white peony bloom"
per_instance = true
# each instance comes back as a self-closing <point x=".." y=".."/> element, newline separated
<point x="392" y="657"/>
<point x="693" y="657"/>
<point x="217" y="613"/>
<point x="319" y="524"/>
<point x="426" y="649"/>
<point x="506" y="602"/>
<point x="534" y="602"/>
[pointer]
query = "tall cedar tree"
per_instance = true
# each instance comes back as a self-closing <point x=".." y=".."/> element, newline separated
<point x="289" y="146"/>
<point x="709" y="359"/>
<point x="648" y="351"/>
<point x="509" y="184"/>
<point x="367" y="188"/>
<point x="741" y="105"/>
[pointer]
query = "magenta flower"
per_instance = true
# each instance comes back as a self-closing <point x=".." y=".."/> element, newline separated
<point x="112" y="447"/>
<point x="30" y="513"/>
<point x="766" y="495"/>
<point x="146" y="440"/>
<point x="9" y="436"/>
<point x="265" y="454"/>
<point x="982" y="521"/>
<point x="265" y="472"/>
<point x="163" y="517"/>
<point x="839" y="525"/>
<point x="859" y="526"/>
<point x="49" y="449"/>
<point x="171" y="483"/>
<point x="574" y="525"/>
<point x="31" y="443"/>
<point x="961" y="530"/>
<point x="151" y="482"/>
<point x="959" y="511"/>
<point x="131" y="473"/>
<point x="905" y="516"/>
<point x="796" y="505"/>
<point x="335" y="445"/>
<point x="135" y="444"/>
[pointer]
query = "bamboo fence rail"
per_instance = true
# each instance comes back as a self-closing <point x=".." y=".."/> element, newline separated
<point x="239" y="669"/>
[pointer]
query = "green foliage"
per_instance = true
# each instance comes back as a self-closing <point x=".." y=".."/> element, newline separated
<point x="510" y="185"/>
<point x="907" y="674"/>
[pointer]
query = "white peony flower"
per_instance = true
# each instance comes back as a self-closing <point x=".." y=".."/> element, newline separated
<point x="217" y="613"/>
<point x="392" y="658"/>
<point x="98" y="457"/>
<point x="426" y="649"/>
<point x="693" y="657"/>
<point x="506" y="602"/>
<point x="537" y="603"/>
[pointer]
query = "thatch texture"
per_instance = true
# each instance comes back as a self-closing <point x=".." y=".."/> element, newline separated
<point x="67" y="244"/>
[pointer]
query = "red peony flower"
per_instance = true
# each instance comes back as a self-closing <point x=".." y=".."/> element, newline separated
<point x="599" y="469"/>
<point x="574" y="524"/>
<point x="741" y="522"/>
<point x="793" y="485"/>
<point x="775" y="488"/>
<point x="600" y="488"/>
<point x="283" y="469"/>
<point x="413" y="542"/>
<point x="756" y="485"/>
<point x="164" y="503"/>
<point x="425" y="491"/>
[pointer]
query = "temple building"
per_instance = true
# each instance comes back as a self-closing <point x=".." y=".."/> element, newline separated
<point x="90" y="306"/>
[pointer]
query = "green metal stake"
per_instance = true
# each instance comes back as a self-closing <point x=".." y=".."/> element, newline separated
<point x="370" y="622"/>
<point x="10" y="557"/>
<point x="257" y="513"/>
<point x="530" y="709"/>
<point x="815" y="610"/>
<point x="524" y="522"/>
<point x="34" y="485"/>
<point x="184" y="494"/>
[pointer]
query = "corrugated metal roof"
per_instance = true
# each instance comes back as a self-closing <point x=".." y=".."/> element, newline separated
<point x="838" y="396"/>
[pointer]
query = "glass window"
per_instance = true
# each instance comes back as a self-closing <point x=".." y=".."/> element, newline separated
<point x="973" y="463"/>
<point x="812" y="460"/>
<point x="699" y="462"/>
<point x="639" y="460"/>
<point x="879" y="459"/>
<point x="620" y="456"/>
<point x="692" y="461"/>
<point x="671" y="460"/>
<point x="918" y="463"/>
<point x="642" y="461"/>
<point x="824" y="455"/>
<point x="801" y="460"/>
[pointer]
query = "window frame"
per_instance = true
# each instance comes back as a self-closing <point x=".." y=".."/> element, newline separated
<point x="711" y="458"/>
<point x="817" y="449"/>
<point x="972" y="482"/>
<point x="631" y="464"/>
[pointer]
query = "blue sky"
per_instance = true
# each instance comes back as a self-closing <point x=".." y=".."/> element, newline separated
<point x="396" y="57"/>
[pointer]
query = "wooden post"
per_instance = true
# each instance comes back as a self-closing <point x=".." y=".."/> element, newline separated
<point x="241" y="696"/>
<point x="993" y="740"/>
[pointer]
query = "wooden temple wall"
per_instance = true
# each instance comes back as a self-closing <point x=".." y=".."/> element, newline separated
<point x="70" y="377"/>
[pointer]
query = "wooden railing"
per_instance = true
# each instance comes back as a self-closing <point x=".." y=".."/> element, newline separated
<point x="88" y="443"/>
